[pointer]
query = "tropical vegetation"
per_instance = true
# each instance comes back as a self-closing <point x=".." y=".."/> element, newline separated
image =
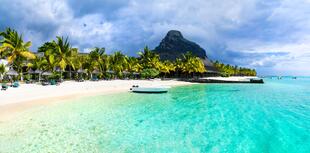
<point x="230" y="70"/>
<point x="59" y="58"/>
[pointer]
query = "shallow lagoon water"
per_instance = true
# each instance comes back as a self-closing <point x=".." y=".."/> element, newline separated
<point x="272" y="117"/>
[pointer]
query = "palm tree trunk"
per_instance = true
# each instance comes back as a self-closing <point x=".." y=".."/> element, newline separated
<point x="60" y="75"/>
<point x="39" y="77"/>
<point x="70" y="75"/>
<point x="21" y="77"/>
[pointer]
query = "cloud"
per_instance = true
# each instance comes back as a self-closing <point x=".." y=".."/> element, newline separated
<point x="272" y="36"/>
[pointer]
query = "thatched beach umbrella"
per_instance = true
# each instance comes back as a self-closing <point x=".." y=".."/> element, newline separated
<point x="37" y="72"/>
<point x="95" y="72"/>
<point x="31" y="71"/>
<point x="126" y="72"/>
<point x="57" y="69"/>
<point x="47" y="73"/>
<point x="12" y="72"/>
<point x="110" y="71"/>
<point x="81" y="71"/>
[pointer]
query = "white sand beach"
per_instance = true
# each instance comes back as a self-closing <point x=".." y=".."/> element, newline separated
<point x="16" y="100"/>
<point x="232" y="78"/>
<point x="31" y="92"/>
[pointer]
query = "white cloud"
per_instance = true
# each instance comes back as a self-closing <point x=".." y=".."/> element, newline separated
<point x="249" y="27"/>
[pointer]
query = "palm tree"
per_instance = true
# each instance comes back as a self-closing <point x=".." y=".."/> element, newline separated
<point x="59" y="52"/>
<point x="118" y="63"/>
<point x="133" y="65"/>
<point x="97" y="58"/>
<point x="167" y="67"/>
<point x="15" y="49"/>
<point x="149" y="59"/>
<point x="40" y="64"/>
<point x="2" y="71"/>
<point x="63" y="52"/>
<point x="48" y="49"/>
<point x="13" y="45"/>
<point x="192" y="64"/>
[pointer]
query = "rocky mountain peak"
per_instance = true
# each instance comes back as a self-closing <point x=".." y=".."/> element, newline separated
<point x="174" y="45"/>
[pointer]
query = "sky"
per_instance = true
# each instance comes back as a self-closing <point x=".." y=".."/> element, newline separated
<point x="272" y="36"/>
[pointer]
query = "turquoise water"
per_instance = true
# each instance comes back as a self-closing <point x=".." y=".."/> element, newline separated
<point x="272" y="117"/>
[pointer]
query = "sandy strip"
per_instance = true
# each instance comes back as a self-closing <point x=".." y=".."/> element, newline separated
<point x="233" y="78"/>
<point x="14" y="101"/>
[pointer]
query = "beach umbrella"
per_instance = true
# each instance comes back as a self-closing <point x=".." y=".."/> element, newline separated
<point x="31" y="71"/>
<point x="37" y="71"/>
<point x="12" y="72"/>
<point x="95" y="72"/>
<point x="57" y="69"/>
<point x="47" y="73"/>
<point x="81" y="71"/>
<point x="110" y="71"/>
<point x="126" y="72"/>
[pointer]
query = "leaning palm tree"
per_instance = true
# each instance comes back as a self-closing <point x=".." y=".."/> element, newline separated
<point x="15" y="49"/>
<point x="14" y="46"/>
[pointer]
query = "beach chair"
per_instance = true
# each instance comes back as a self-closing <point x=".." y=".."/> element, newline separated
<point x="53" y="82"/>
<point x="45" y="83"/>
<point x="15" y="84"/>
<point x="94" y="79"/>
<point x="4" y="86"/>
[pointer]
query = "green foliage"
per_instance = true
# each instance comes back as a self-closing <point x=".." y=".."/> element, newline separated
<point x="118" y="62"/>
<point x="149" y="59"/>
<point x="190" y="64"/>
<point x="55" y="76"/>
<point x="2" y="71"/>
<point x="228" y="70"/>
<point x="149" y="73"/>
<point x="27" y="77"/>
<point x="59" y="54"/>
<point x="13" y="47"/>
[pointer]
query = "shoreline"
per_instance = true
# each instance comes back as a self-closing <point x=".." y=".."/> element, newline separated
<point x="15" y="101"/>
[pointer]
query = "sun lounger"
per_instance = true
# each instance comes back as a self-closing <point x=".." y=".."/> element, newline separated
<point x="45" y="83"/>
<point x="94" y="79"/>
<point x="53" y="82"/>
<point x="4" y="86"/>
<point x="15" y="84"/>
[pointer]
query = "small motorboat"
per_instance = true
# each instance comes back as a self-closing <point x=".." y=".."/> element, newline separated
<point x="151" y="89"/>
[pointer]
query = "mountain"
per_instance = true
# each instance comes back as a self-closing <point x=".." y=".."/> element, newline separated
<point x="174" y="45"/>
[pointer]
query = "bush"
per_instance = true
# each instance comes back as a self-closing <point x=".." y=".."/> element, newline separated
<point x="27" y="77"/>
<point x="55" y="76"/>
<point x="149" y="73"/>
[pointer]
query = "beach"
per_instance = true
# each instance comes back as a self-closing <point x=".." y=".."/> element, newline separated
<point x="15" y="100"/>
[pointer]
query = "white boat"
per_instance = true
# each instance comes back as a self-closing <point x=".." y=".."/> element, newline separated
<point x="157" y="89"/>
